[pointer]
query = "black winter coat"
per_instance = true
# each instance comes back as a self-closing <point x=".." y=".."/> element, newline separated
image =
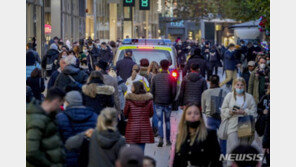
<point x="124" y="68"/>
<point x="104" y="96"/>
<point x="106" y="55"/>
<point x="163" y="88"/>
<point x="50" y="61"/>
<point x="197" y="60"/>
<point x="37" y="86"/>
<point x="192" y="88"/>
<point x="63" y="80"/>
<point x="264" y="120"/>
<point x="53" y="78"/>
<point x="246" y="75"/>
<point x="201" y="154"/>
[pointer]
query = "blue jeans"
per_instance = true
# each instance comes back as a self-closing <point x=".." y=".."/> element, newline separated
<point x="160" y="109"/>
<point x="154" y="118"/>
<point x="214" y="124"/>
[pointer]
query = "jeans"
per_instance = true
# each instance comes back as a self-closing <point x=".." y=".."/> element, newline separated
<point x="154" y="118"/>
<point x="160" y="109"/>
<point x="214" y="124"/>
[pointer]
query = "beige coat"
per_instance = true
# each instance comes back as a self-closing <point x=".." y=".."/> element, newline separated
<point x="250" y="108"/>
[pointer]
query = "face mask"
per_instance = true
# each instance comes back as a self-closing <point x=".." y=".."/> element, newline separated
<point x="239" y="91"/>
<point x="262" y="66"/>
<point x="84" y="50"/>
<point x="193" y="124"/>
<point x="63" y="56"/>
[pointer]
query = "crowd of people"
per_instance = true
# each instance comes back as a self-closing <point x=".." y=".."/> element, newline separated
<point x="84" y="110"/>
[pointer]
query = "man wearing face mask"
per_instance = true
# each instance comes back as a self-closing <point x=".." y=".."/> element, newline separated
<point x="259" y="80"/>
<point x="105" y="53"/>
<point x="55" y="74"/>
<point x="44" y="145"/>
<point x="247" y="72"/>
<point x="92" y="58"/>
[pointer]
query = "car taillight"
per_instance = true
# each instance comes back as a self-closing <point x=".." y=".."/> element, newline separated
<point x="175" y="74"/>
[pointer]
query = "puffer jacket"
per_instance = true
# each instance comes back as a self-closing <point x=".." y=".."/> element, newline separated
<point x="74" y="120"/>
<point x="63" y="80"/>
<point x="192" y="88"/>
<point x="139" y="109"/>
<point x="44" y="146"/>
<point x="104" y="96"/>
<point x="50" y="60"/>
<point x="163" y="88"/>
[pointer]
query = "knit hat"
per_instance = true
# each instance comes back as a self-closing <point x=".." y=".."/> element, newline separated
<point x="131" y="156"/>
<point x="74" y="98"/>
<point x="30" y="59"/>
<point x="102" y="64"/>
<point x="53" y="46"/>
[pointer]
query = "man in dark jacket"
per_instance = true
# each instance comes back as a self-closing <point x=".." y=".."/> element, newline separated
<point x="55" y="74"/>
<point x="247" y="72"/>
<point x="71" y="78"/>
<point x="49" y="61"/>
<point x="164" y="91"/>
<point x="124" y="67"/>
<point x="43" y="144"/>
<point x="75" y="119"/>
<point x="93" y="55"/>
<point x="105" y="53"/>
<point x="192" y="87"/>
<point x="197" y="59"/>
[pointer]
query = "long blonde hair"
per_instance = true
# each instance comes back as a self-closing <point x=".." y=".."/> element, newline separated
<point x="136" y="69"/>
<point x="239" y="79"/>
<point x="200" y="133"/>
<point x="107" y="119"/>
<point x="153" y="67"/>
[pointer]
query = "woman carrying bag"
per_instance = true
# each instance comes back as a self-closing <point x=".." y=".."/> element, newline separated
<point x="238" y="108"/>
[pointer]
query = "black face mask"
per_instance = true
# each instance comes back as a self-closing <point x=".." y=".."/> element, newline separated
<point x="193" y="124"/>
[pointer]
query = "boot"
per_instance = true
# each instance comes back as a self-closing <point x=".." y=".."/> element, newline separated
<point x="168" y="143"/>
<point x="160" y="143"/>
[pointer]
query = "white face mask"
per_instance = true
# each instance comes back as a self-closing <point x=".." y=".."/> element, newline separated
<point x="262" y="66"/>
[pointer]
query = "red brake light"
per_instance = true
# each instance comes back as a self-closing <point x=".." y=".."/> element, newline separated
<point x="174" y="74"/>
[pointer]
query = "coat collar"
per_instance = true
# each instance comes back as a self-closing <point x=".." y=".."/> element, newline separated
<point x="139" y="97"/>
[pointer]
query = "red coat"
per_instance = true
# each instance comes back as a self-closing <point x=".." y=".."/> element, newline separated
<point x="138" y="109"/>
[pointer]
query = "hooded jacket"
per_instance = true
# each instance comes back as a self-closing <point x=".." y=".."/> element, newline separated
<point x="72" y="121"/>
<point x="44" y="146"/>
<point x="104" y="148"/>
<point x="50" y="60"/>
<point x="104" y="96"/>
<point x="192" y="88"/>
<point x="139" y="109"/>
<point x="63" y="80"/>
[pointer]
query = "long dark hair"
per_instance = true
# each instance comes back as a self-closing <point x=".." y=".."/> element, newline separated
<point x="139" y="87"/>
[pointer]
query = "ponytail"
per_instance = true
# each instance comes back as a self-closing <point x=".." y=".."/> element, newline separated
<point x="136" y="70"/>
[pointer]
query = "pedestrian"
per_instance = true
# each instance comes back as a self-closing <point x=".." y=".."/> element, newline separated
<point x="71" y="78"/>
<point x="105" y="142"/>
<point x="113" y="47"/>
<point x="31" y="63"/>
<point x="93" y="55"/>
<point x="130" y="156"/>
<point x="237" y="105"/>
<point x="36" y="82"/>
<point x="44" y="145"/>
<point x="230" y="64"/>
<point x="211" y="102"/>
<point x="136" y="77"/>
<point x="243" y="150"/>
<point x="138" y="109"/>
<point x="214" y="60"/>
<point x="149" y="162"/>
<point x="197" y="59"/>
<point x="55" y="74"/>
<point x="144" y="64"/>
<point x="102" y="67"/>
<point x="248" y="71"/>
<point x="192" y="87"/>
<point x="31" y="49"/>
<point x="206" y="56"/>
<point x="96" y="94"/>
<point x="195" y="144"/>
<point x="124" y="67"/>
<point x="259" y="80"/>
<point x="105" y="53"/>
<point x="49" y="61"/>
<point x="163" y="90"/>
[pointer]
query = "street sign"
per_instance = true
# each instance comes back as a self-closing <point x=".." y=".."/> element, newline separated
<point x="128" y="2"/>
<point x="144" y="5"/>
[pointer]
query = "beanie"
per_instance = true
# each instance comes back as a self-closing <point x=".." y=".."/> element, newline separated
<point x="74" y="98"/>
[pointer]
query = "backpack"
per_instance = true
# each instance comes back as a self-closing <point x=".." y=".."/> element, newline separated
<point x="216" y="103"/>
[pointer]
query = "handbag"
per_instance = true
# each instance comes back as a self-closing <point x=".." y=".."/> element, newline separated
<point x="222" y="131"/>
<point x="216" y="103"/>
<point x="245" y="126"/>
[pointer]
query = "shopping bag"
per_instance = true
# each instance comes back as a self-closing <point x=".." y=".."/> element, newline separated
<point x="246" y="126"/>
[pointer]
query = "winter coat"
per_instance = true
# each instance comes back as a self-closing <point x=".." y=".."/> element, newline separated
<point x="130" y="82"/>
<point x="230" y="61"/>
<point x="29" y="94"/>
<point x="124" y="68"/>
<point x="202" y="153"/>
<point x="73" y="120"/>
<point x="228" y="103"/>
<point x="258" y="83"/>
<point x="106" y="55"/>
<point x="122" y="88"/>
<point x="44" y="146"/>
<point x="53" y="78"/>
<point x="197" y="60"/>
<point x="30" y="68"/>
<point x="264" y="120"/>
<point x="49" y="61"/>
<point x="163" y="88"/>
<point x="104" y="148"/>
<point x="63" y="80"/>
<point x="37" y="57"/>
<point x="104" y="96"/>
<point x="139" y="109"/>
<point x="246" y="75"/>
<point x="192" y="88"/>
<point x="37" y="86"/>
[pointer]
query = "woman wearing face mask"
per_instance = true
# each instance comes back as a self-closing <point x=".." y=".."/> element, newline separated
<point x="236" y="104"/>
<point x="195" y="144"/>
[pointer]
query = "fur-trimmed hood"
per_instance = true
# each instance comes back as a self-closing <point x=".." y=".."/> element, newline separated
<point x="89" y="89"/>
<point x="139" y="97"/>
